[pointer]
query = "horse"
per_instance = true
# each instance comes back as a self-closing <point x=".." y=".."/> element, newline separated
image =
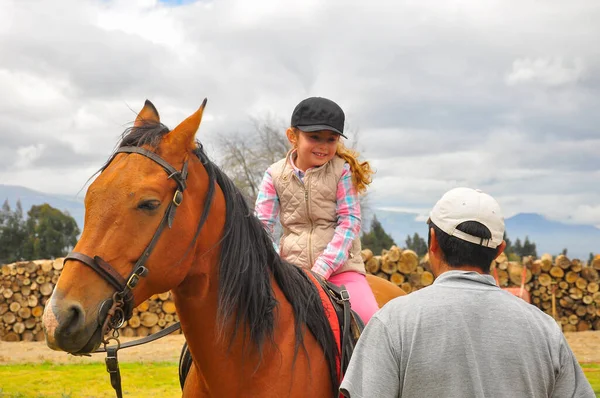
<point x="161" y="216"/>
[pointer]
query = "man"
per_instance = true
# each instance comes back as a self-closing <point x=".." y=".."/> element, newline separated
<point x="463" y="336"/>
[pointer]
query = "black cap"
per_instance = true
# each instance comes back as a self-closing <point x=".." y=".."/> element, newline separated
<point x="316" y="114"/>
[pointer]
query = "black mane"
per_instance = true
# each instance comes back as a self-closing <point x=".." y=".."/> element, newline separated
<point x="248" y="261"/>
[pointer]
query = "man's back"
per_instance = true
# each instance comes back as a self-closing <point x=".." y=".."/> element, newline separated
<point x="465" y="337"/>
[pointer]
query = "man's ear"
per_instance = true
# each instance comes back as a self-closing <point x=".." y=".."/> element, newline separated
<point x="500" y="249"/>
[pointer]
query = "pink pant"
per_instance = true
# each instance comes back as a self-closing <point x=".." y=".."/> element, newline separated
<point x="362" y="299"/>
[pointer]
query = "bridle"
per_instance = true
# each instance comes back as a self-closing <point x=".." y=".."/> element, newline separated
<point x="121" y="304"/>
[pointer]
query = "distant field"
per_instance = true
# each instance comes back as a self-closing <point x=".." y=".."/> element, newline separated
<point x="155" y="379"/>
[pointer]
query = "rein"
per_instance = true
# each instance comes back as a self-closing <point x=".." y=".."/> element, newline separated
<point x="121" y="304"/>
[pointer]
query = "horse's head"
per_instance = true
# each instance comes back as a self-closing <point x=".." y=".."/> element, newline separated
<point x="140" y="223"/>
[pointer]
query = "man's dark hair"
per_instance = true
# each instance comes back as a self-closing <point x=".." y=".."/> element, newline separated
<point x="458" y="252"/>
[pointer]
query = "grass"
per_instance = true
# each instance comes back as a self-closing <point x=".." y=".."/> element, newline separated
<point x="592" y="372"/>
<point x="157" y="379"/>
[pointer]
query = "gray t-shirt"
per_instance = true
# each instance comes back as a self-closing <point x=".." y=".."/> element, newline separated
<point x="463" y="337"/>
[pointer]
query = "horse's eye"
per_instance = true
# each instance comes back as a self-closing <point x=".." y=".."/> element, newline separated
<point x="149" y="205"/>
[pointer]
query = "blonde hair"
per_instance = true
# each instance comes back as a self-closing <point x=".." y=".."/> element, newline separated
<point x="361" y="171"/>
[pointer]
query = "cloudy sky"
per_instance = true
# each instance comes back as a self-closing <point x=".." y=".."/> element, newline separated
<point x="499" y="95"/>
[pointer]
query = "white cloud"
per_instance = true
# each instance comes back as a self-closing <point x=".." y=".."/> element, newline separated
<point x="443" y="93"/>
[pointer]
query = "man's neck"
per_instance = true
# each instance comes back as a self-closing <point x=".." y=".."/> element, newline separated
<point x="445" y="268"/>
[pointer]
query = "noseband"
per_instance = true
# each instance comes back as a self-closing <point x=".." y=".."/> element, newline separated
<point x="122" y="301"/>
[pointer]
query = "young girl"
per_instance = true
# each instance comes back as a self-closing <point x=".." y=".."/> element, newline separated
<point x="314" y="191"/>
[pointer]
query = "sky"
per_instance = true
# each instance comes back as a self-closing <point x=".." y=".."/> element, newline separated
<point x="503" y="96"/>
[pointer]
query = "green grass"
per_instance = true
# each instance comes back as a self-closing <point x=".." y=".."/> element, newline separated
<point x="158" y="379"/>
<point x="592" y="372"/>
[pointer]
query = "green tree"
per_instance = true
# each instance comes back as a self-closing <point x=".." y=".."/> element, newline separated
<point x="518" y="247"/>
<point x="591" y="258"/>
<point x="529" y="248"/>
<point x="376" y="239"/>
<point x="564" y="251"/>
<point x="12" y="233"/>
<point x="50" y="233"/>
<point x="416" y="244"/>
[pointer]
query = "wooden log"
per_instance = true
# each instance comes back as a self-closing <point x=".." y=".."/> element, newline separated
<point x="536" y="267"/>
<point x="562" y="261"/>
<point x="408" y="262"/>
<point x="27" y="336"/>
<point x="164" y="296"/>
<point x="373" y="265"/>
<point x="557" y="272"/>
<point x="366" y="255"/>
<point x="592" y="287"/>
<point x="155" y="329"/>
<point x="25" y="312"/>
<point x="46" y="289"/>
<point x="3" y="308"/>
<point x="502" y="277"/>
<point x="571" y="277"/>
<point x="581" y="283"/>
<point x="587" y="300"/>
<point x="9" y="318"/>
<point x="566" y="302"/>
<point x="143" y="307"/>
<point x="148" y="319"/>
<point x="15" y="306"/>
<point x="545" y="279"/>
<point x="37" y="311"/>
<point x="590" y="274"/>
<point x="134" y="322"/>
<point x="32" y="301"/>
<point x="596" y="324"/>
<point x="11" y="337"/>
<point x="563" y="285"/>
<point x="40" y="280"/>
<point x="515" y="273"/>
<point x="128" y="332"/>
<point x="426" y="278"/>
<point x="388" y="266"/>
<point x="397" y="278"/>
<point x="26" y="290"/>
<point x="575" y="293"/>
<point x="161" y="323"/>
<point x="581" y="310"/>
<point x="394" y="253"/>
<point x="39" y="336"/>
<point x="142" y="331"/>
<point x="576" y="265"/>
<point x="583" y="326"/>
<point x="407" y="287"/>
<point x="54" y="279"/>
<point x="58" y="264"/>
<point x="168" y="307"/>
<point x="596" y="262"/>
<point x="30" y="323"/>
<point x="46" y="266"/>
<point x="382" y="275"/>
<point x="546" y="260"/>
<point x="536" y="292"/>
<point x="597" y="298"/>
<point x="18" y="327"/>
<point x="31" y="267"/>
<point x="7" y="293"/>
<point x="573" y="319"/>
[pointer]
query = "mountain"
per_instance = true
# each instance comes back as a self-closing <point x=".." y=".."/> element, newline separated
<point x="74" y="206"/>
<point x="549" y="236"/>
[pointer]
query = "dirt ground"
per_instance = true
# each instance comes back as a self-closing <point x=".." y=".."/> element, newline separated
<point x="585" y="345"/>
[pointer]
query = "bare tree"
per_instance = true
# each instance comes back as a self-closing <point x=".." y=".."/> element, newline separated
<point x="247" y="156"/>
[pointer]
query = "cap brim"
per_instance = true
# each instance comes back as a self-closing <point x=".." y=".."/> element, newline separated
<point x="320" y="127"/>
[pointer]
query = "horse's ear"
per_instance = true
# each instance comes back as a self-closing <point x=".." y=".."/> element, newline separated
<point x="183" y="136"/>
<point x="148" y="114"/>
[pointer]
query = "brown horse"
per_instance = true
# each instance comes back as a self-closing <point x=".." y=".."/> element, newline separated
<point x="244" y="312"/>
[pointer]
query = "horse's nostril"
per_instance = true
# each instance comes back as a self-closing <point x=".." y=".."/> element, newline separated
<point x="72" y="321"/>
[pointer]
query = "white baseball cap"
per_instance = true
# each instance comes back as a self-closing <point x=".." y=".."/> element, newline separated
<point x="465" y="204"/>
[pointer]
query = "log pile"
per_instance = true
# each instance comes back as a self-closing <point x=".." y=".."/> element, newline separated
<point x="566" y="289"/>
<point x="26" y="286"/>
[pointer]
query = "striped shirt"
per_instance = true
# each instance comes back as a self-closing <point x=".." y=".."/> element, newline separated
<point x="348" y="226"/>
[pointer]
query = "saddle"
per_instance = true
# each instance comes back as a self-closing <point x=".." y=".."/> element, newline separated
<point x="350" y="323"/>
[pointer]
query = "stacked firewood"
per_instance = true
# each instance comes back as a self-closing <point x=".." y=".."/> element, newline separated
<point x="26" y="286"/>
<point x="566" y="289"/>
<point x="400" y="266"/>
